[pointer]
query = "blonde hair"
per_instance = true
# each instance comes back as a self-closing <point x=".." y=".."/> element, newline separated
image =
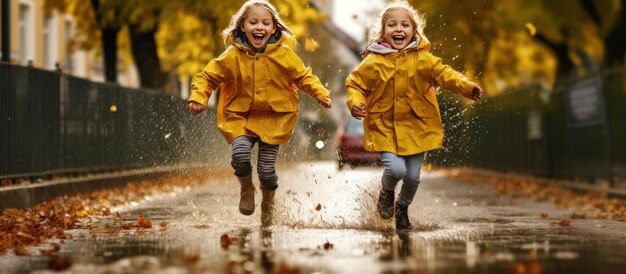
<point x="230" y="32"/>
<point x="417" y="19"/>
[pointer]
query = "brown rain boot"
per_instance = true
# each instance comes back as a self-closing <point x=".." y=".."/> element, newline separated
<point x="267" y="207"/>
<point x="246" y="202"/>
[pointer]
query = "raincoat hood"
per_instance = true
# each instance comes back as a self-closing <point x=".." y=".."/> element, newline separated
<point x="382" y="47"/>
<point x="276" y="40"/>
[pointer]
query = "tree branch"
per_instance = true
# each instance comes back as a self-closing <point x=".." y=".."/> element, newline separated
<point x="590" y="8"/>
<point x="543" y="39"/>
<point x="560" y="50"/>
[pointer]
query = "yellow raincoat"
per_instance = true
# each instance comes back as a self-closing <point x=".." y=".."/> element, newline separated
<point x="259" y="90"/>
<point x="398" y="90"/>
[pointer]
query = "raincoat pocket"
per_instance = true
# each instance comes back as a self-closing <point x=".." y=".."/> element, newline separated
<point x="419" y="110"/>
<point x="283" y="106"/>
<point x="380" y="108"/>
<point x="234" y="107"/>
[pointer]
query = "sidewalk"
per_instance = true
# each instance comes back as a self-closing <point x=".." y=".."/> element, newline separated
<point x="617" y="190"/>
<point x="595" y="200"/>
<point x="26" y="196"/>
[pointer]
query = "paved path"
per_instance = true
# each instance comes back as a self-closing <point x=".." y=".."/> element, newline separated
<point x="460" y="228"/>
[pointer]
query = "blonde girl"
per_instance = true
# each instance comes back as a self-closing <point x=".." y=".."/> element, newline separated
<point x="393" y="89"/>
<point x="259" y="74"/>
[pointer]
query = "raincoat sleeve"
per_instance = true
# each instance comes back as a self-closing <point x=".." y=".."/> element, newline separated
<point x="205" y="82"/>
<point x="357" y="87"/>
<point x="305" y="80"/>
<point x="450" y="79"/>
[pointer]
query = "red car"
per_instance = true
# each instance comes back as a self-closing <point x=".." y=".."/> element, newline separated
<point x="350" y="148"/>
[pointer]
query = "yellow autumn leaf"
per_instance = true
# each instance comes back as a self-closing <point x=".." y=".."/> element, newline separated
<point x="532" y="30"/>
<point x="311" y="45"/>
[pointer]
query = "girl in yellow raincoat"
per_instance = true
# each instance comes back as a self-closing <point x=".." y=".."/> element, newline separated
<point x="394" y="90"/>
<point x="259" y="74"/>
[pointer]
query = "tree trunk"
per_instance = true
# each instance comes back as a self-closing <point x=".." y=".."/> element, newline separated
<point x="564" y="63"/>
<point x="143" y="45"/>
<point x="109" y="44"/>
<point x="615" y="42"/>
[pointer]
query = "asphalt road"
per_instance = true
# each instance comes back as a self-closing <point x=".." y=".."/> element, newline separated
<point x="326" y="222"/>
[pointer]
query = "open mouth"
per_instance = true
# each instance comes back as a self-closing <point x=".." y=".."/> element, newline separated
<point x="398" y="38"/>
<point x="258" y="37"/>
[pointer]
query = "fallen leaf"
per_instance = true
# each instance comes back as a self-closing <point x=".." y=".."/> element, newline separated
<point x="20" y="229"/>
<point x="532" y="267"/>
<point x="142" y="222"/>
<point x="283" y="268"/>
<point x="328" y="245"/>
<point x="55" y="249"/>
<point x="59" y="263"/>
<point x="226" y="241"/>
<point x="565" y="222"/>
<point x="189" y="258"/>
<point x="21" y="251"/>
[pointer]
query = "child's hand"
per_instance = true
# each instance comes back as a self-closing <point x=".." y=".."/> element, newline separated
<point x="326" y="102"/>
<point x="358" y="111"/>
<point x="477" y="92"/>
<point x="195" y="107"/>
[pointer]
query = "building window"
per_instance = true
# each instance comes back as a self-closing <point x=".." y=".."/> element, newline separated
<point x="50" y="42"/>
<point x="26" y="31"/>
<point x="69" y="45"/>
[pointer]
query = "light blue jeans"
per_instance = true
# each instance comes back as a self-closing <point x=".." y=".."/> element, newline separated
<point x="405" y="168"/>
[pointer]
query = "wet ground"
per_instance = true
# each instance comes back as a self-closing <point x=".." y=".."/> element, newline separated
<point x="325" y="222"/>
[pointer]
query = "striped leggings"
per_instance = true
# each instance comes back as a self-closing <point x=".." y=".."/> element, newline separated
<point x="266" y="160"/>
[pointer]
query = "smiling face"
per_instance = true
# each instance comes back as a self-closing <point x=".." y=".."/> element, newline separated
<point x="398" y="28"/>
<point x="258" y="25"/>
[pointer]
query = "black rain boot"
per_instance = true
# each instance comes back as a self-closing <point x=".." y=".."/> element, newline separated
<point x="402" y="218"/>
<point x="385" y="203"/>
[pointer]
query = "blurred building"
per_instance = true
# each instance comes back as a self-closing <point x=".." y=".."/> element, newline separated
<point x="49" y="42"/>
<point x="325" y="6"/>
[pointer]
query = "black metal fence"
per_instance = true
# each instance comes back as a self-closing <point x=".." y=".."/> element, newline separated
<point x="54" y="123"/>
<point x="577" y="130"/>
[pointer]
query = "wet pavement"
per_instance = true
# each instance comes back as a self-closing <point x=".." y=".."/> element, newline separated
<point x="325" y="221"/>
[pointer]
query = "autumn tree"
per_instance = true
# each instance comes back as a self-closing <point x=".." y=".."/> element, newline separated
<point x="97" y="27"/>
<point x="480" y="39"/>
<point x="583" y="35"/>
<point x="610" y="18"/>
<point x="490" y="38"/>
<point x="165" y="37"/>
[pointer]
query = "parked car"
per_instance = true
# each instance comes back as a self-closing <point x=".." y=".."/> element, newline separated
<point x="350" y="146"/>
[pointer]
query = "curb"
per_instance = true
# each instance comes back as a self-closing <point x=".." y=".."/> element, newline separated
<point x="611" y="192"/>
<point x="27" y="196"/>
